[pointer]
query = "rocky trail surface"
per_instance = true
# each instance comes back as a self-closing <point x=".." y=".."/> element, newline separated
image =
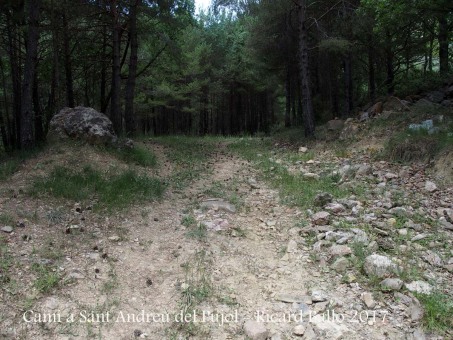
<point x="224" y="258"/>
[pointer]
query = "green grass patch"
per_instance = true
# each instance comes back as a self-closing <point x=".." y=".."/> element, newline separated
<point x="438" y="309"/>
<point x="6" y="261"/>
<point x="46" y="278"/>
<point x="295" y="190"/>
<point x="6" y="219"/>
<point x="199" y="232"/>
<point x="112" y="191"/>
<point x="408" y="146"/>
<point x="189" y="221"/>
<point x="189" y="154"/>
<point x="137" y="155"/>
<point x="11" y="162"/>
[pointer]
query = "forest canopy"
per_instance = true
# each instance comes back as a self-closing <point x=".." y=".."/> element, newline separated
<point x="240" y="67"/>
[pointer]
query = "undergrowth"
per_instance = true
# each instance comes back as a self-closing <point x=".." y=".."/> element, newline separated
<point x="111" y="191"/>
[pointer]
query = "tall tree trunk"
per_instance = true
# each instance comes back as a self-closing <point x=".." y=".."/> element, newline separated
<point x="129" y="113"/>
<point x="27" y="139"/>
<point x="443" y="44"/>
<point x="288" y="96"/>
<point x="347" y="86"/>
<point x="14" y="57"/>
<point x="115" y="109"/>
<point x="307" y="105"/>
<point x="103" y="100"/>
<point x="39" y="127"/>
<point x="68" y="62"/>
<point x="371" y="72"/>
<point x="389" y="64"/>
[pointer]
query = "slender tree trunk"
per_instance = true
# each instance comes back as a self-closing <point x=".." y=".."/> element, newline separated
<point x="371" y="72"/>
<point x="307" y="105"/>
<point x="68" y="63"/>
<point x="14" y="56"/>
<point x="443" y="45"/>
<point x="348" y="103"/>
<point x="27" y="139"/>
<point x="288" y="96"/>
<point x="129" y="113"/>
<point x="39" y="127"/>
<point x="389" y="64"/>
<point x="115" y="109"/>
<point x="103" y="100"/>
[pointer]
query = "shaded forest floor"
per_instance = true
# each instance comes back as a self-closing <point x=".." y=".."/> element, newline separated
<point x="252" y="230"/>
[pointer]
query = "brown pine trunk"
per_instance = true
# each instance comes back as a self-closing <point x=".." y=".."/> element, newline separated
<point x="443" y="44"/>
<point x="68" y="63"/>
<point x="129" y="113"/>
<point x="371" y="72"/>
<point x="347" y="87"/>
<point x="307" y="105"/>
<point x="288" y="96"/>
<point x="27" y="139"/>
<point x="115" y="109"/>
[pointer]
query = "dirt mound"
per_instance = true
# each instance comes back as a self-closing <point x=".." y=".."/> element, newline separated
<point x="443" y="167"/>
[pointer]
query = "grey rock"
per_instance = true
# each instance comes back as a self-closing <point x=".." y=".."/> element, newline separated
<point x="395" y="104"/>
<point x="430" y="186"/>
<point x="419" y="335"/>
<point x="391" y="284"/>
<point x="335" y="207"/>
<point x="415" y="312"/>
<point x="368" y="299"/>
<point x="255" y="330"/>
<point x="82" y="123"/>
<point x="332" y="330"/>
<point x="364" y="170"/>
<point x="420" y="287"/>
<point x="7" y="229"/>
<point x="380" y="266"/>
<point x="445" y="224"/>
<point x="322" y="199"/>
<point x="433" y="259"/>
<point x="419" y="237"/>
<point x="402" y="298"/>
<point x="340" y="250"/>
<point x="335" y="125"/>
<point x="436" y="96"/>
<point x="292" y="247"/>
<point x="218" y="204"/>
<point x="340" y="265"/>
<point x="311" y="175"/>
<point x="299" y="330"/>
<point x="76" y="275"/>
<point x="321" y="218"/>
<point x="319" y="296"/>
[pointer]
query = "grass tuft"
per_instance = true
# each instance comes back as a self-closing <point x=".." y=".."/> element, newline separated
<point x="114" y="191"/>
<point x="438" y="309"/>
<point x="137" y="155"/>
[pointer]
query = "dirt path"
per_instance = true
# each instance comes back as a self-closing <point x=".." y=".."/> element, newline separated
<point x="252" y="264"/>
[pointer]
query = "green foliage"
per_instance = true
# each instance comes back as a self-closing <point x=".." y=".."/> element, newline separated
<point x="46" y="278"/>
<point x="189" y="154"/>
<point x="114" y="191"/>
<point x="137" y="155"/>
<point x="408" y="146"/>
<point x="294" y="188"/>
<point x="11" y="162"/>
<point x="198" y="232"/>
<point x="438" y="310"/>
